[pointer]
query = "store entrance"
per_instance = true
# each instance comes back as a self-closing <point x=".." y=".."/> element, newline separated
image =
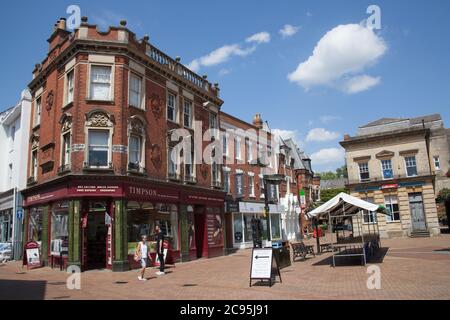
<point x="96" y="240"/>
<point x="199" y="220"/>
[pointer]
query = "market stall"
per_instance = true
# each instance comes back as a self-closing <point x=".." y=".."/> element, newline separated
<point x="361" y="239"/>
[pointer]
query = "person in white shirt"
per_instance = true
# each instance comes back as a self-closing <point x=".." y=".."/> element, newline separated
<point x="143" y="255"/>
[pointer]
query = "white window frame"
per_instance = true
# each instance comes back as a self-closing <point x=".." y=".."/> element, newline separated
<point x="175" y="108"/>
<point x="227" y="177"/>
<point x="365" y="164"/>
<point x="225" y="147"/>
<point x="141" y="149"/>
<point x="249" y="150"/>
<point x="415" y="165"/>
<point x="386" y="164"/>
<point x="176" y="163"/>
<point x="65" y="157"/>
<point x="237" y="148"/>
<point x="34" y="163"/>
<point x="37" y="111"/>
<point x="109" y="130"/>
<point x="140" y="78"/>
<point x="251" y="186"/>
<point x="187" y="104"/>
<point x="214" y="164"/>
<point x="437" y="163"/>
<point x="111" y="82"/>
<point x="70" y="86"/>
<point x="388" y="201"/>
<point x="191" y="165"/>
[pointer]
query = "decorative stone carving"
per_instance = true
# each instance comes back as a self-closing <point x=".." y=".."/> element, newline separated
<point x="136" y="126"/>
<point x="156" y="105"/>
<point x="156" y="155"/>
<point x="99" y="119"/>
<point x="49" y="101"/>
<point x="67" y="125"/>
<point x="34" y="142"/>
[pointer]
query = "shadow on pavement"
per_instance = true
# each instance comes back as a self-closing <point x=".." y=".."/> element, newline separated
<point x="22" y="290"/>
<point x="378" y="257"/>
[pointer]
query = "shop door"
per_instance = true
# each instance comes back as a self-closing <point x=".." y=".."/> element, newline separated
<point x="96" y="236"/>
<point x="199" y="220"/>
<point x="417" y="212"/>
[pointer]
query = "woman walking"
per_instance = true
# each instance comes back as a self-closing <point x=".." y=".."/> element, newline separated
<point x="143" y="255"/>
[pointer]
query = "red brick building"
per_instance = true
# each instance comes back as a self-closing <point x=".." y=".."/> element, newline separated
<point x="248" y="151"/>
<point x="100" y="175"/>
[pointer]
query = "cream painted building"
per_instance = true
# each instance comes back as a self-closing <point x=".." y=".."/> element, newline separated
<point x="398" y="163"/>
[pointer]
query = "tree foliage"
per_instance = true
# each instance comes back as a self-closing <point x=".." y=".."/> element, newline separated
<point x="330" y="175"/>
<point x="329" y="194"/>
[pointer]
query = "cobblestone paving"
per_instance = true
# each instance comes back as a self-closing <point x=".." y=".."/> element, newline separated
<point x="411" y="269"/>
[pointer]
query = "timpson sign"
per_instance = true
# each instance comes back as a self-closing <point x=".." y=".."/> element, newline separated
<point x="152" y="193"/>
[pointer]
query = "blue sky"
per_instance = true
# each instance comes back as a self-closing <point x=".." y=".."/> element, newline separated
<point x="401" y="70"/>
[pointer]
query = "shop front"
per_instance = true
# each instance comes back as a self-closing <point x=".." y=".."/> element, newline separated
<point x="97" y="224"/>
<point x="11" y="227"/>
<point x="242" y="223"/>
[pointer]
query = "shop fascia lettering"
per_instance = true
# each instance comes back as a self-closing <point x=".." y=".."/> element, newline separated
<point x="142" y="191"/>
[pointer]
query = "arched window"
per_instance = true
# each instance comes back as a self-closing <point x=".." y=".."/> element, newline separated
<point x="136" y="145"/>
<point x="66" y="142"/>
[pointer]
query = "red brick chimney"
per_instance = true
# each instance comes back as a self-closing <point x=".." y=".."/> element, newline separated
<point x="257" y="121"/>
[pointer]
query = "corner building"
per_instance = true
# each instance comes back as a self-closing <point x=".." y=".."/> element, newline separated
<point x="99" y="174"/>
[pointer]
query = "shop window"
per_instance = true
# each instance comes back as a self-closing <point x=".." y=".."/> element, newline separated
<point x="100" y="83"/>
<point x="391" y="203"/>
<point x="142" y="217"/>
<point x="275" y="225"/>
<point x="59" y="228"/>
<point x="5" y="226"/>
<point x="35" y="225"/>
<point x="237" y="223"/>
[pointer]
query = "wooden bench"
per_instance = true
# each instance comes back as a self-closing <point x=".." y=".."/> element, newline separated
<point x="301" y="250"/>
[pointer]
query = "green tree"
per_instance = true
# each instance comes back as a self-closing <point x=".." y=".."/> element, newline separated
<point x="342" y="172"/>
<point x="329" y="194"/>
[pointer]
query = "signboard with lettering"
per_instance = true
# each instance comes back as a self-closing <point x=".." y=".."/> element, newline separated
<point x="78" y="147"/>
<point x="96" y="189"/>
<point x="214" y="229"/>
<point x="119" y="149"/>
<point x="146" y="193"/>
<point x="262" y="265"/>
<point x="272" y="192"/>
<point x="32" y="256"/>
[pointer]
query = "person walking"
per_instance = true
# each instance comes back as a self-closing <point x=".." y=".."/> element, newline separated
<point x="143" y="256"/>
<point x="160" y="249"/>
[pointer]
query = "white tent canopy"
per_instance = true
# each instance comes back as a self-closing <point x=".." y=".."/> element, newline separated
<point x="343" y="204"/>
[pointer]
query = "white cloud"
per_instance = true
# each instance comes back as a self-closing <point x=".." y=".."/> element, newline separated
<point x="321" y="135"/>
<point x="328" y="156"/>
<point x="219" y="56"/>
<point x="261" y="37"/>
<point x="327" y="119"/>
<point x="288" y="134"/>
<point x="224" y="53"/>
<point x="288" y="31"/>
<point x="360" y="83"/>
<point x="224" y="72"/>
<point x="342" y="51"/>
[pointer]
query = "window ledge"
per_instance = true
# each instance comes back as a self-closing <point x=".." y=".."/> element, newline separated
<point x="67" y="105"/>
<point x="136" y="108"/>
<point x="393" y="222"/>
<point x="111" y="102"/>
